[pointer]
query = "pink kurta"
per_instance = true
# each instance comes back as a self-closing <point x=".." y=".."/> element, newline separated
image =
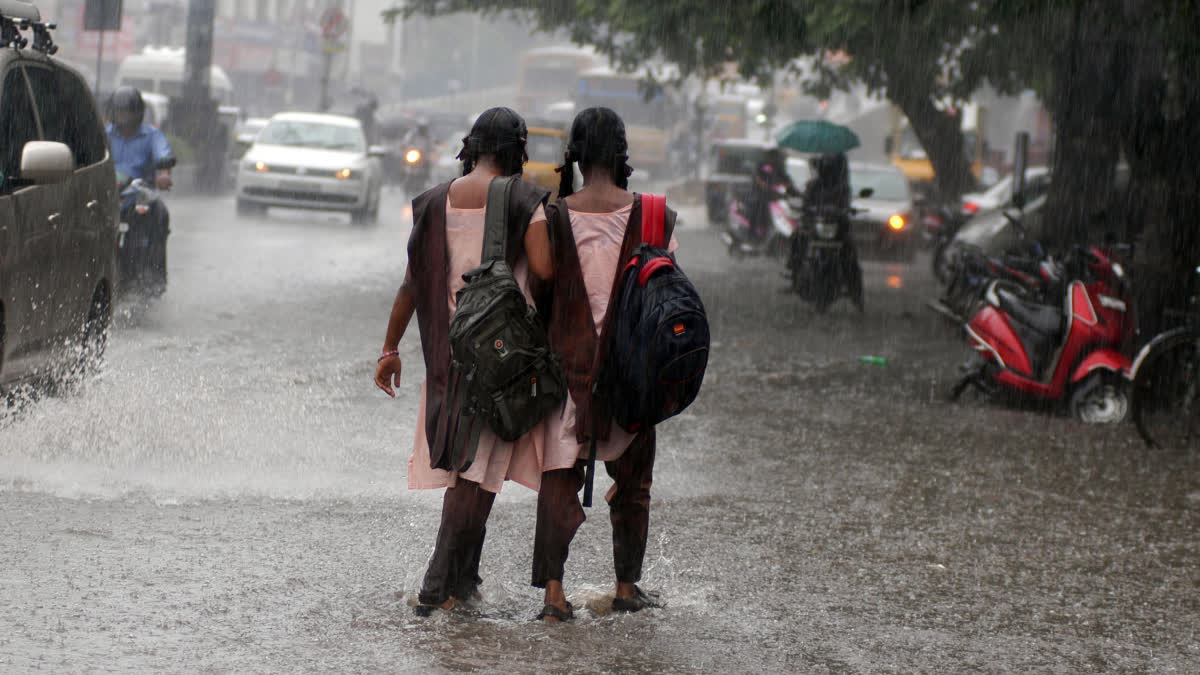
<point x="495" y="460"/>
<point x="598" y="239"/>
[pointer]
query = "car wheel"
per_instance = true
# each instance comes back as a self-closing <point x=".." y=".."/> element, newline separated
<point x="366" y="216"/>
<point x="247" y="209"/>
<point x="95" y="332"/>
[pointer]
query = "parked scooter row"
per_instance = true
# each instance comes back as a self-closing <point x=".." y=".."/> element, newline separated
<point x="1070" y="348"/>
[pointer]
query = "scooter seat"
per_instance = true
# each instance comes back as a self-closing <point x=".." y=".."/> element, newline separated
<point x="1044" y="319"/>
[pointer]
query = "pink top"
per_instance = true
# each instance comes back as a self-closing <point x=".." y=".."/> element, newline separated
<point x="495" y="460"/>
<point x="598" y="238"/>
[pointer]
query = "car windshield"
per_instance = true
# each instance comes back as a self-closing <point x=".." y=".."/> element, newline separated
<point x="545" y="149"/>
<point x="886" y="185"/>
<point x="312" y="135"/>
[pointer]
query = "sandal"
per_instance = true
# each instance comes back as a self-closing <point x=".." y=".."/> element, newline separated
<point x="552" y="612"/>
<point x="640" y="600"/>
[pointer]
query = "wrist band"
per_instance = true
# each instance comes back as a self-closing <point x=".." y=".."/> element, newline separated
<point x="388" y="355"/>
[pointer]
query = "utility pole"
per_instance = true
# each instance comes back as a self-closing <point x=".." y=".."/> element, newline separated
<point x="194" y="115"/>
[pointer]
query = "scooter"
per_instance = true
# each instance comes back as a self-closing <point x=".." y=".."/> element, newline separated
<point x="145" y="226"/>
<point x="743" y="239"/>
<point x="822" y="260"/>
<point x="1071" y="352"/>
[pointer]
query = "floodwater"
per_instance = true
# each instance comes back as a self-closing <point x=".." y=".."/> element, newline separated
<point x="229" y="495"/>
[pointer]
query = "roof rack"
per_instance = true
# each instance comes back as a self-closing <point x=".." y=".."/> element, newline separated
<point x="17" y="16"/>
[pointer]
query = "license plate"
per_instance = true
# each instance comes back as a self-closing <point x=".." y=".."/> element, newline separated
<point x="299" y="186"/>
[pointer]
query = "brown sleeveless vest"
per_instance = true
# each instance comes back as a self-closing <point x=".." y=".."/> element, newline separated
<point x="428" y="267"/>
<point x="573" y="332"/>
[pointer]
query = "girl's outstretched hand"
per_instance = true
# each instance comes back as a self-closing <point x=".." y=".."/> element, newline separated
<point x="387" y="374"/>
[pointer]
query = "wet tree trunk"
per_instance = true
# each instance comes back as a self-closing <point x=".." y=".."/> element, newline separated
<point x="1087" y="146"/>
<point x="940" y="134"/>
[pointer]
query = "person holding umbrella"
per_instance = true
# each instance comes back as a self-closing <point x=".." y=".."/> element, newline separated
<point x="828" y="190"/>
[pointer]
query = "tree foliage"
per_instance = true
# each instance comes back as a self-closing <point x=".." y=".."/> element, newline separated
<point x="1119" y="77"/>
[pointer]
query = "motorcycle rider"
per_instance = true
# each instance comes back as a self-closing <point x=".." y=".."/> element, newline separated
<point x="770" y="175"/>
<point x="139" y="150"/>
<point x="829" y="189"/>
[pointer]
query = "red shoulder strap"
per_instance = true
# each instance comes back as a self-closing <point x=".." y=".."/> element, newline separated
<point x="654" y="219"/>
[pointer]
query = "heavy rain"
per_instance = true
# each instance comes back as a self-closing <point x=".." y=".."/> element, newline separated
<point x="949" y="420"/>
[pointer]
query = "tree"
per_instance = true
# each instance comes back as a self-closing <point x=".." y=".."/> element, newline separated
<point x="907" y="49"/>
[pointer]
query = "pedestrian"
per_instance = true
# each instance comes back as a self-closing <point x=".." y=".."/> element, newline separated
<point x="591" y="232"/>
<point x="446" y="242"/>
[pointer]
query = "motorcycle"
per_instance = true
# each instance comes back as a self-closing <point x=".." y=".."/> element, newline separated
<point x="1036" y="276"/>
<point x="144" y="228"/>
<point x="1070" y="351"/>
<point x="743" y="239"/>
<point x="822" y="259"/>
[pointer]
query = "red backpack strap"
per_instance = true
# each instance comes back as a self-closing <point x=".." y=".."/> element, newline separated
<point x="654" y="215"/>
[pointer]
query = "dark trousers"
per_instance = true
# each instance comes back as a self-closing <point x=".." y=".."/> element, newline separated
<point x="454" y="568"/>
<point x="559" y="513"/>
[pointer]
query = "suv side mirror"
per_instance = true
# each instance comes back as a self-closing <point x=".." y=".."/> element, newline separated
<point x="46" y="163"/>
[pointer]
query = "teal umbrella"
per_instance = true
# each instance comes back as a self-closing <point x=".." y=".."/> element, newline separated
<point x="817" y="136"/>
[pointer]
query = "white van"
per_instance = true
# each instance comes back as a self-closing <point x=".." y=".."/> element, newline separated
<point x="161" y="70"/>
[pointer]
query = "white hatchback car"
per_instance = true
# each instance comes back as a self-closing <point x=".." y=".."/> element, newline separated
<point x="311" y="161"/>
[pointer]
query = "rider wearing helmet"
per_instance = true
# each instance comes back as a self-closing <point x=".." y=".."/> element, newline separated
<point x="139" y="150"/>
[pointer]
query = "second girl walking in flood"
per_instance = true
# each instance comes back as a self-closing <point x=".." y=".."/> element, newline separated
<point x="591" y="232"/>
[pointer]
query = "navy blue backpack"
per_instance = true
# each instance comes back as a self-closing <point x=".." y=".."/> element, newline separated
<point x="658" y="348"/>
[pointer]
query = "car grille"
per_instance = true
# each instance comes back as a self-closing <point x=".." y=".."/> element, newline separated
<point x="295" y="195"/>
<point x="300" y="171"/>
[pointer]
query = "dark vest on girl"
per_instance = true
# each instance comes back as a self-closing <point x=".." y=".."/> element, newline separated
<point x="428" y="268"/>
<point x="573" y="331"/>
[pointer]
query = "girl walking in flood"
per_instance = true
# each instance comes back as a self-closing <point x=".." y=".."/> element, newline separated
<point x="591" y="232"/>
<point x="446" y="242"/>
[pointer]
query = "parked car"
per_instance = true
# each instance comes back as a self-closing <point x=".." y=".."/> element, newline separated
<point x="311" y="161"/>
<point x="1037" y="182"/>
<point x="732" y="163"/>
<point x="884" y="223"/>
<point x="58" y="215"/>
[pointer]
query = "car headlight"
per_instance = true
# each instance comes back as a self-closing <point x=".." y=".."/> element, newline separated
<point x="260" y="167"/>
<point x="344" y="174"/>
<point x="826" y="230"/>
<point x="412" y="156"/>
<point x="896" y="222"/>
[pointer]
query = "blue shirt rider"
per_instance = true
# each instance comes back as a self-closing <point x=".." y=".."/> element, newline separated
<point x="139" y="150"/>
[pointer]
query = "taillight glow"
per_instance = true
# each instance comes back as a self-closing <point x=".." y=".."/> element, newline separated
<point x="970" y="208"/>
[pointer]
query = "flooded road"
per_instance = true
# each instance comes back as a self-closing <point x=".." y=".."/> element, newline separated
<point x="229" y="494"/>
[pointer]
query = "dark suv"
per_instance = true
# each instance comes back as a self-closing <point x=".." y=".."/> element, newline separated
<point x="58" y="206"/>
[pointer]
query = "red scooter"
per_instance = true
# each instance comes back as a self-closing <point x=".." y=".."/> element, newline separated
<point x="1073" y="352"/>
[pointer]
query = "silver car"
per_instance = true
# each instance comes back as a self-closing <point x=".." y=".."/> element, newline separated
<point x="311" y="161"/>
<point x="884" y="224"/>
<point x="58" y="215"/>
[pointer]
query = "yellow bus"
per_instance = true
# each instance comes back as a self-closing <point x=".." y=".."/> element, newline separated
<point x="650" y="123"/>
<point x="548" y="75"/>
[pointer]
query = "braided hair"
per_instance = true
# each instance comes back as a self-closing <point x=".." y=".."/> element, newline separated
<point x="500" y="132"/>
<point x="597" y="138"/>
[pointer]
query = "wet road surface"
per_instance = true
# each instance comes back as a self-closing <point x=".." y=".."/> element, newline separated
<point x="229" y="494"/>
